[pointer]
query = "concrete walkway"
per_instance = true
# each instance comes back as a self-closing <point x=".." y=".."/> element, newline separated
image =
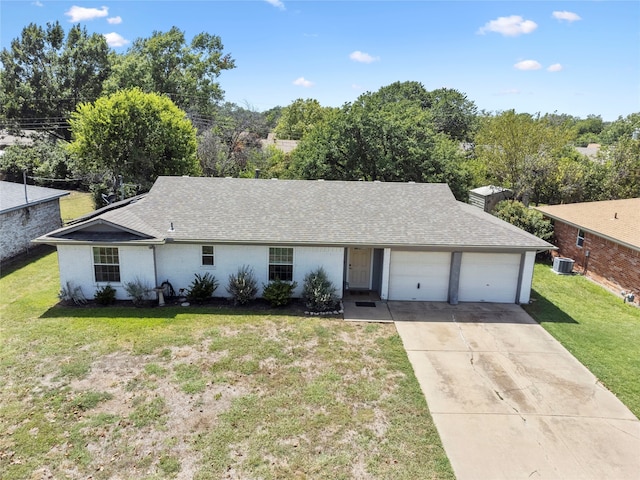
<point x="509" y="401"/>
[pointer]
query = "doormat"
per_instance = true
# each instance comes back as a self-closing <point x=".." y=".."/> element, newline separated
<point x="365" y="304"/>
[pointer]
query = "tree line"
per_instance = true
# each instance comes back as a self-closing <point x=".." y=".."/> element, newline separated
<point x="158" y="109"/>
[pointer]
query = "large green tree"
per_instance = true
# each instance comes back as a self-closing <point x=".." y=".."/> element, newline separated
<point x="519" y="151"/>
<point x="166" y="63"/>
<point x="134" y="134"/>
<point x="42" y="161"/>
<point x="623" y="127"/>
<point x="622" y="166"/>
<point x="384" y="137"/>
<point x="298" y="118"/>
<point x="453" y="114"/>
<point x="46" y="74"/>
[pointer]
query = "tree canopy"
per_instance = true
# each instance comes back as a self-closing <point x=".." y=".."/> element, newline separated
<point x="519" y="150"/>
<point x="299" y="118"/>
<point x="166" y="63"/>
<point x="134" y="134"/>
<point x="45" y="75"/>
<point x="386" y="136"/>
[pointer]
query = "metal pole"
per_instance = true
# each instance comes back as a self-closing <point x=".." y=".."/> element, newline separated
<point x="24" y="180"/>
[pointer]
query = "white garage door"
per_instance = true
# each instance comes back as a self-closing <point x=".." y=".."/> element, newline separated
<point x="419" y="276"/>
<point x="489" y="277"/>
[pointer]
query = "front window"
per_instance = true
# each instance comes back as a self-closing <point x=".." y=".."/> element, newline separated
<point x="281" y="264"/>
<point x="207" y="256"/>
<point x="580" y="238"/>
<point x="106" y="264"/>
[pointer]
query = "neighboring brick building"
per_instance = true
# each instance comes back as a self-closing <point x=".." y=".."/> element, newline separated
<point x="603" y="238"/>
<point x="25" y="216"/>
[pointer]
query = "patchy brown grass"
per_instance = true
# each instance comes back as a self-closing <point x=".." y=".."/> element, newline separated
<point x="203" y="393"/>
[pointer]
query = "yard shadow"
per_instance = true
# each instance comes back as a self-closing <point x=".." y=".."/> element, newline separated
<point x="544" y="311"/>
<point x="19" y="261"/>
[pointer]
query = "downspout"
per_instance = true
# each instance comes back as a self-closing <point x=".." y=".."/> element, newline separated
<point x="155" y="267"/>
<point x="523" y="261"/>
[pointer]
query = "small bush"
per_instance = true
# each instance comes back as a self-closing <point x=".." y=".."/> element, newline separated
<point x="243" y="286"/>
<point x="278" y="293"/>
<point x="138" y="290"/>
<point x="528" y="219"/>
<point x="202" y="288"/>
<point x="106" y="295"/>
<point x="318" y="291"/>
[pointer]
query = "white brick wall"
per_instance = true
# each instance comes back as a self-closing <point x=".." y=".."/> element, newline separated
<point x="19" y="227"/>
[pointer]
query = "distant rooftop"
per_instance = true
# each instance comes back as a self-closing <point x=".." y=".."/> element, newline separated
<point x="618" y="220"/>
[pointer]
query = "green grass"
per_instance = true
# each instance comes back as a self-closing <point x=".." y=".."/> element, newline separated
<point x="75" y="205"/>
<point x="595" y="326"/>
<point x="124" y="392"/>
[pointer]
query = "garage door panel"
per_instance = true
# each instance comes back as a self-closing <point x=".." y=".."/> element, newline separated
<point x="429" y="270"/>
<point x="489" y="277"/>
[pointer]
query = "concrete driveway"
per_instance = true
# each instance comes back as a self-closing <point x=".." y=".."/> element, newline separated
<point x="509" y="401"/>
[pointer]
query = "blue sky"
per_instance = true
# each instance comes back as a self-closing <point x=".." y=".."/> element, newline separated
<point x="574" y="57"/>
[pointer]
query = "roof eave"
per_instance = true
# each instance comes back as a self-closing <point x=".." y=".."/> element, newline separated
<point x="593" y="232"/>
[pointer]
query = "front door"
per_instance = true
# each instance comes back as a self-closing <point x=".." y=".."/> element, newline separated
<point x="359" y="268"/>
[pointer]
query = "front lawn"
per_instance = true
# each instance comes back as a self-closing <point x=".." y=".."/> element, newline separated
<point x="595" y="326"/>
<point x="201" y="393"/>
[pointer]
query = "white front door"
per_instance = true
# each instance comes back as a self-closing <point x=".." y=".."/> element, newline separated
<point x="359" y="268"/>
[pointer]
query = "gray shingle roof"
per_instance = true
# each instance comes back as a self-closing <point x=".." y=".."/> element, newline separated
<point x="12" y="195"/>
<point x="230" y="210"/>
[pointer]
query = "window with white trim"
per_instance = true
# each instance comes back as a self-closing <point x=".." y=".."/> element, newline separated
<point x="580" y="238"/>
<point x="106" y="264"/>
<point x="281" y="264"/>
<point x="208" y="257"/>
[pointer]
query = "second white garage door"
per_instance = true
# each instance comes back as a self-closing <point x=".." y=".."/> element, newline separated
<point x="489" y="277"/>
<point x="422" y="276"/>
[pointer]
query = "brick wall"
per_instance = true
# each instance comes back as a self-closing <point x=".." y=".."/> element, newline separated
<point x="19" y="227"/>
<point x="615" y="266"/>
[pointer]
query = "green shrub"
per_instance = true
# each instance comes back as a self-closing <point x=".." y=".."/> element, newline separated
<point x="528" y="219"/>
<point x="318" y="291"/>
<point x="278" y="293"/>
<point x="202" y="288"/>
<point x="138" y="290"/>
<point x="242" y="286"/>
<point x="106" y="295"/>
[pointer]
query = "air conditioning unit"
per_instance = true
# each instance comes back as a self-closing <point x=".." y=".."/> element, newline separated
<point x="563" y="266"/>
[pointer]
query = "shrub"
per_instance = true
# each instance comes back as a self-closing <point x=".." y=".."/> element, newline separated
<point x="318" y="291"/>
<point x="138" y="291"/>
<point x="202" y="288"/>
<point x="106" y="295"/>
<point x="242" y="286"/>
<point x="528" y="219"/>
<point x="278" y="293"/>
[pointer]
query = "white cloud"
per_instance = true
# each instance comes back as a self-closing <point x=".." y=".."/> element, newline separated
<point x="116" y="40"/>
<point x="276" y="3"/>
<point x="355" y="86"/>
<point x="37" y="3"/>
<point x="303" y="82"/>
<point x="556" y="67"/>
<point x="114" y="20"/>
<point x="566" y="16"/>
<point x="78" y="14"/>
<point x="509" y="26"/>
<point x="362" y="57"/>
<point x="528" y="65"/>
